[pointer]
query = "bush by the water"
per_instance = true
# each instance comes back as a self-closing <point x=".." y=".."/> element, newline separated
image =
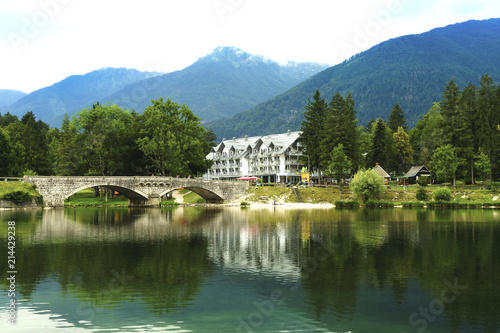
<point x="442" y="194"/>
<point x="17" y="196"/>
<point x="422" y="194"/>
<point x="346" y="204"/>
<point x="367" y="185"/>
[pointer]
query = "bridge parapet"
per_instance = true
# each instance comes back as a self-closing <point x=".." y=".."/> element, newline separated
<point x="140" y="190"/>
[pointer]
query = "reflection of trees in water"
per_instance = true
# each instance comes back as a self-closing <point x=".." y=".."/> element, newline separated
<point x="380" y="249"/>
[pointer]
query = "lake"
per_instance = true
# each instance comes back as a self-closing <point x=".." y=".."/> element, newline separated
<point x="232" y="269"/>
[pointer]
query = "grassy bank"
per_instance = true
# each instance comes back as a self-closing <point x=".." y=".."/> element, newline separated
<point x="405" y="196"/>
<point x="86" y="198"/>
<point x="18" y="192"/>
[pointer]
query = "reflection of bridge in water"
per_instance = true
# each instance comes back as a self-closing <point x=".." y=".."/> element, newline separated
<point x="141" y="191"/>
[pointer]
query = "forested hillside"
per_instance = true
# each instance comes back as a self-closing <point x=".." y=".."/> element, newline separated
<point x="410" y="70"/>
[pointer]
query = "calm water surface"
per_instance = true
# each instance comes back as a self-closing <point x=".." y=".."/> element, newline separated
<point x="253" y="270"/>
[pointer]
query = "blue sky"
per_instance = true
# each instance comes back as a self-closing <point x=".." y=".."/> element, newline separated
<point x="44" y="41"/>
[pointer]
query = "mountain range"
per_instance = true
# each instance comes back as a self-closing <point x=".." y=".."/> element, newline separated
<point x="412" y="70"/>
<point x="7" y="96"/>
<point x="220" y="84"/>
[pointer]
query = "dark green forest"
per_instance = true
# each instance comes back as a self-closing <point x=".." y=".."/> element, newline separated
<point x="106" y="140"/>
<point x="458" y="138"/>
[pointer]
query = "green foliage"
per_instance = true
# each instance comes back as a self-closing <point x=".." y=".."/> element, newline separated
<point x="397" y="119"/>
<point x="422" y="194"/>
<point x="444" y="162"/>
<point x="423" y="181"/>
<point x="367" y="185"/>
<point x="378" y="150"/>
<point x="173" y="139"/>
<point x="244" y="203"/>
<point x="339" y="165"/>
<point x="5" y="151"/>
<point x="482" y="165"/>
<point x="403" y="148"/>
<point x="312" y="130"/>
<point x="347" y="204"/>
<point x="30" y="173"/>
<point x="18" y="196"/>
<point x="379" y="204"/>
<point x="442" y="194"/>
<point x="169" y="203"/>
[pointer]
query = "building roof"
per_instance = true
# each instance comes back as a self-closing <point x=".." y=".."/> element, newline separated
<point x="381" y="171"/>
<point x="283" y="141"/>
<point x="415" y="170"/>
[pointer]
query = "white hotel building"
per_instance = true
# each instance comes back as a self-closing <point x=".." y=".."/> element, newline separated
<point x="273" y="158"/>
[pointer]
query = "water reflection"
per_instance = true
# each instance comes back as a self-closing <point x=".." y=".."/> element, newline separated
<point x="212" y="269"/>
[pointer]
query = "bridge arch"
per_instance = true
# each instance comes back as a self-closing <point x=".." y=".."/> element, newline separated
<point x="209" y="196"/>
<point x="130" y="194"/>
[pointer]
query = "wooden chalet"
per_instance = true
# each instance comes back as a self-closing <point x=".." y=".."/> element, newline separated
<point x="383" y="173"/>
<point x="416" y="171"/>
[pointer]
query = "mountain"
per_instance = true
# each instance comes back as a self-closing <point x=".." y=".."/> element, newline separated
<point x="7" y="96"/>
<point x="75" y="93"/>
<point x="220" y="84"/>
<point x="411" y="70"/>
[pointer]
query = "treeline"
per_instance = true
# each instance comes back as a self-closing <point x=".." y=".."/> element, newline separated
<point x="106" y="140"/>
<point x="458" y="137"/>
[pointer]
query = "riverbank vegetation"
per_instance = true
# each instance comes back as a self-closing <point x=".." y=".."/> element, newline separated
<point x="458" y="138"/>
<point x="18" y="192"/>
<point x="106" y="140"/>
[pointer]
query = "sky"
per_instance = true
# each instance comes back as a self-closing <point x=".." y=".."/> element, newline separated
<point x="44" y="41"/>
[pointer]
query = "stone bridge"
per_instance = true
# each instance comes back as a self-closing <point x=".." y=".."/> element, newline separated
<point x="140" y="190"/>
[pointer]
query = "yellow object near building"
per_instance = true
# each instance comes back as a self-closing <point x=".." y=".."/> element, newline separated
<point x="305" y="177"/>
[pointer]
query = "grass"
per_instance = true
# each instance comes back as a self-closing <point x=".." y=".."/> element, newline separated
<point x="192" y="198"/>
<point x="85" y="198"/>
<point x="19" y="192"/>
<point x="405" y="196"/>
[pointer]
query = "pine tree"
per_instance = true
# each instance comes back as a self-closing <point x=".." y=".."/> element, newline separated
<point x="5" y="151"/>
<point x="450" y="123"/>
<point x="397" y="119"/>
<point x="66" y="149"/>
<point x="486" y="118"/>
<point x="467" y="144"/>
<point x="378" y="148"/>
<point x="312" y="127"/>
<point x="404" y="149"/>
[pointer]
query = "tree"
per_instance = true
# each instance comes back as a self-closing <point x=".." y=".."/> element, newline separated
<point x="312" y="130"/>
<point x="467" y="143"/>
<point x="397" y="119"/>
<point x="102" y="134"/>
<point x="487" y="117"/>
<point x="450" y="121"/>
<point x="367" y="184"/>
<point x="404" y="149"/>
<point x="482" y="165"/>
<point x="173" y="139"/>
<point x="66" y="152"/>
<point x="339" y="166"/>
<point x="444" y="163"/>
<point x="378" y="148"/>
<point x="5" y="152"/>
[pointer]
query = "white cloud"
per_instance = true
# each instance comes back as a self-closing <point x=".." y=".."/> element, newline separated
<point x="79" y="36"/>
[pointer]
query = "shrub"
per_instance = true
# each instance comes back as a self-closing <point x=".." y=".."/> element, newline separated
<point x="367" y="185"/>
<point x="347" y="204"/>
<point x="422" y="194"/>
<point x="17" y="196"/>
<point x="30" y="173"/>
<point x="442" y="194"/>
<point x="379" y="204"/>
<point x="244" y="203"/>
<point x="423" y="181"/>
